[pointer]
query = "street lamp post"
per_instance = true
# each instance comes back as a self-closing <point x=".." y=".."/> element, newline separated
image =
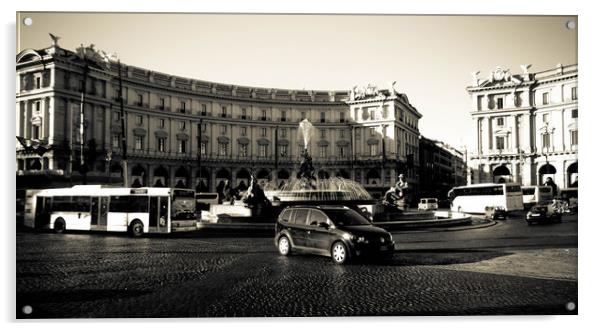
<point x="108" y="159"/>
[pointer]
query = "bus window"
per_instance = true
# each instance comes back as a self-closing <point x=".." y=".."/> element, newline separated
<point x="119" y="204"/>
<point x="138" y="204"/>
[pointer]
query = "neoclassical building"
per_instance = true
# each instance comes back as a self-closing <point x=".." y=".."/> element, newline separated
<point x="525" y="126"/>
<point x="191" y="133"/>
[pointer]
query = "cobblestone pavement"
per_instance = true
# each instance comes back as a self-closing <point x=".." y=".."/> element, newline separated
<point x="431" y="273"/>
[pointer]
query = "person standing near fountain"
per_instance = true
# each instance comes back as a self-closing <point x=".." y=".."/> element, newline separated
<point x="255" y="198"/>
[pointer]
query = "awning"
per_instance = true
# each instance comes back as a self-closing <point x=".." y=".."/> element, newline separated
<point x="373" y="141"/>
<point x="182" y="136"/>
<point x="161" y="134"/>
<point x="139" y="132"/>
<point x="263" y="141"/>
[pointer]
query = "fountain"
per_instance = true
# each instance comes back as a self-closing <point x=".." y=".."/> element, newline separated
<point x="317" y="191"/>
<point x="307" y="189"/>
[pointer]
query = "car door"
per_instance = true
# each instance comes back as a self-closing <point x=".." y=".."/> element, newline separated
<point x="318" y="237"/>
<point x="297" y="229"/>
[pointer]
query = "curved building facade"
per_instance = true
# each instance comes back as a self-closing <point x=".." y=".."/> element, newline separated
<point x="191" y="133"/>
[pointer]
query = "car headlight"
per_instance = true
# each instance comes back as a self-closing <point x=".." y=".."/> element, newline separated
<point x="382" y="240"/>
<point x="361" y="240"/>
<point x="348" y="236"/>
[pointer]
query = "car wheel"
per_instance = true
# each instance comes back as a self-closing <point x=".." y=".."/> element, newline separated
<point x="59" y="225"/>
<point x="284" y="246"/>
<point x="136" y="229"/>
<point x="339" y="253"/>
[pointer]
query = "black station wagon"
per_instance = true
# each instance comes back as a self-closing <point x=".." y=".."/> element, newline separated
<point x="335" y="231"/>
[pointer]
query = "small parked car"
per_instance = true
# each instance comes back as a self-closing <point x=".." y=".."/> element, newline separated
<point x="428" y="204"/>
<point x="336" y="231"/>
<point x="493" y="213"/>
<point x="542" y="214"/>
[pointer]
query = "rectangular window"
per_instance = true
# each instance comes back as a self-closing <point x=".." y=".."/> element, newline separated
<point x="264" y="132"/>
<point x="574" y="113"/>
<point x="224" y="111"/>
<point x="140" y="99"/>
<point x="283" y="150"/>
<point x="500" y="121"/>
<point x="341" y="133"/>
<point x="182" y="107"/>
<point x="342" y="152"/>
<point x="37" y="106"/>
<point x="139" y="119"/>
<point x="222" y="149"/>
<point x="181" y="146"/>
<point x="322" y="117"/>
<point x="264" y="115"/>
<point x="116" y="116"/>
<point x="162" y="103"/>
<point x="282" y="132"/>
<point x="243" y="131"/>
<point x="546" y="140"/>
<point x="545" y="98"/>
<point x="243" y="114"/>
<point x="182" y="125"/>
<point x="115" y="139"/>
<point x="322" y="133"/>
<point x="499" y="143"/>
<point x="203" y="109"/>
<point x="574" y="137"/>
<point x="574" y="93"/>
<point x="303" y="115"/>
<point x="322" y="151"/>
<point x="373" y="150"/>
<point x="162" y="123"/>
<point x="35" y="131"/>
<point x="371" y="114"/>
<point x="38" y="82"/>
<point x="500" y="103"/>
<point x="243" y="150"/>
<point x="341" y="117"/>
<point x="283" y="116"/>
<point x="263" y="150"/>
<point x="546" y="118"/>
<point x="161" y="144"/>
<point x="138" y="143"/>
<point x="223" y="129"/>
<point x="203" y="148"/>
<point x="480" y="102"/>
<point x="372" y="131"/>
<point x="204" y="127"/>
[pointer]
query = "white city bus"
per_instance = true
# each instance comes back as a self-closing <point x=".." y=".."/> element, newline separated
<point x="474" y="198"/>
<point x="533" y="195"/>
<point x="95" y="207"/>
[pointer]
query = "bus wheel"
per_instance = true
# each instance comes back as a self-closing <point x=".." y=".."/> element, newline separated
<point x="136" y="229"/>
<point x="59" y="225"/>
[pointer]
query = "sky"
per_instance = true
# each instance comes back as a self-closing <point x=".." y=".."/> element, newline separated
<point x="430" y="57"/>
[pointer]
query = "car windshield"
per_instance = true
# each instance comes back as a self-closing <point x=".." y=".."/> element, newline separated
<point x="346" y="217"/>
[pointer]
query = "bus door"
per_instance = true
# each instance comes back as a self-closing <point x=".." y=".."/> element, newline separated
<point x="153" y="213"/>
<point x="164" y="212"/>
<point x="42" y="212"/>
<point x="100" y="207"/>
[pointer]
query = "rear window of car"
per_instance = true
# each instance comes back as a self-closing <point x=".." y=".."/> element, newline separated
<point x="300" y="216"/>
<point x="432" y="200"/>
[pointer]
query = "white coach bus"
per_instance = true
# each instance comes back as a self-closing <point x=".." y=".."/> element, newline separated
<point x="474" y="198"/>
<point x="95" y="207"/>
<point x="533" y="195"/>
